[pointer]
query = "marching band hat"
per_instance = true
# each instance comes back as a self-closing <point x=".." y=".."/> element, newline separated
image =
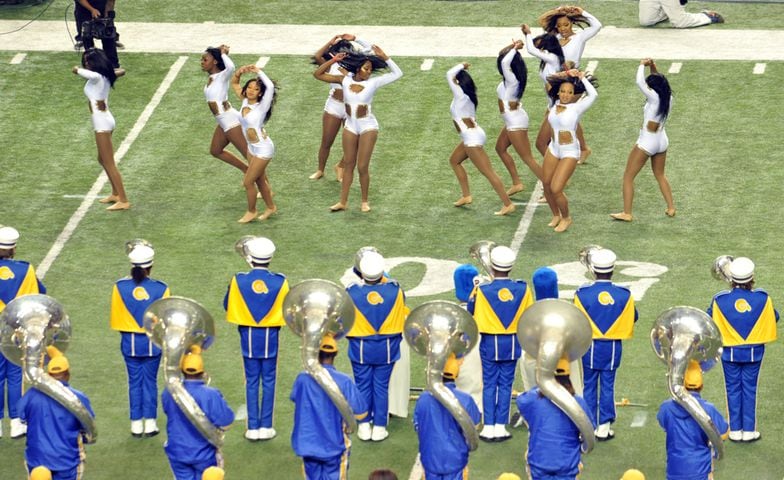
<point x="40" y="473"/>
<point x="261" y="249"/>
<point x="451" y="367"/>
<point x="329" y="344"/>
<point x="193" y="363"/>
<point x="213" y="473"/>
<point x="693" y="377"/>
<point x="141" y="256"/>
<point x="742" y="270"/>
<point x="562" y="367"/>
<point x="603" y="261"/>
<point x="57" y="361"/>
<point x="502" y="258"/>
<point x="545" y="282"/>
<point x="464" y="281"/>
<point x="8" y="237"/>
<point x="371" y="266"/>
<point x="633" y="474"/>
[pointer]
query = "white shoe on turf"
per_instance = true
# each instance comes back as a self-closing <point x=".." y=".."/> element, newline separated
<point x="365" y="431"/>
<point x="379" y="434"/>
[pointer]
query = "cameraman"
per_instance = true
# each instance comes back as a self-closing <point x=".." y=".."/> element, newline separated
<point x="87" y="10"/>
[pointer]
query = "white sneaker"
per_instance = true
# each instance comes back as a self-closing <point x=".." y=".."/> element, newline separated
<point x="501" y="433"/>
<point x="365" y="431"/>
<point x="488" y="433"/>
<point x="137" y="428"/>
<point x="379" y="434"/>
<point x="1" y="428"/>
<point x="736" y="435"/>
<point x="267" y="433"/>
<point x="150" y="427"/>
<point x="252" y="434"/>
<point x="747" y="436"/>
<point x="602" y="432"/>
<point x="18" y="429"/>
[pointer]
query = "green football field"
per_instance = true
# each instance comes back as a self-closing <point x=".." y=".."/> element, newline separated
<point x="722" y="163"/>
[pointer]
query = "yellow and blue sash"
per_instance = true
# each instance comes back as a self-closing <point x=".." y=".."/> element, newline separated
<point x="744" y="317"/>
<point x="130" y="300"/>
<point x="609" y="307"/>
<point x="255" y="299"/>
<point x="499" y="305"/>
<point x="379" y="309"/>
<point x="17" y="278"/>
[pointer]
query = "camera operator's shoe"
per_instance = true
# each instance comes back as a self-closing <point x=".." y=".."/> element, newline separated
<point x="715" y="17"/>
<point x="119" y="72"/>
<point x="78" y="45"/>
<point x="120" y="46"/>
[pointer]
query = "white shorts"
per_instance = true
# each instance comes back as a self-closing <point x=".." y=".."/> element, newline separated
<point x="103" y="121"/>
<point x="653" y="143"/>
<point x="336" y="108"/>
<point x="264" y="148"/>
<point x="515" y="119"/>
<point x="473" y="137"/>
<point x="228" y="119"/>
<point x="358" y="126"/>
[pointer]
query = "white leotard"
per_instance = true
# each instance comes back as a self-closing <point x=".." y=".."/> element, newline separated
<point x="97" y="92"/>
<point x="217" y="94"/>
<point x="252" y="119"/>
<point x="552" y="63"/>
<point x="573" y="49"/>
<point x="359" y="93"/>
<point x="653" y="139"/>
<point x="563" y="121"/>
<point x="514" y="118"/>
<point x="463" y="111"/>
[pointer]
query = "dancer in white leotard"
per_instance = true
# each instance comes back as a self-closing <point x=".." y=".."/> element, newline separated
<point x="652" y="141"/>
<point x="463" y="110"/>
<point x="258" y="95"/>
<point x="100" y="75"/>
<point x="564" y="149"/>
<point x="219" y="67"/>
<point x="360" y="131"/>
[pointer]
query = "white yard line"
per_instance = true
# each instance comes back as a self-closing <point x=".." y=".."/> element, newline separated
<point x="18" y="58"/>
<point x="80" y="212"/>
<point x="675" y="67"/>
<point x="759" y="69"/>
<point x="427" y="64"/>
<point x="528" y="216"/>
<point x="262" y="62"/>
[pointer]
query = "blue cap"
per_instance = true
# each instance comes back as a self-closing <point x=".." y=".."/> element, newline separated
<point x="464" y="281"/>
<point x="545" y="283"/>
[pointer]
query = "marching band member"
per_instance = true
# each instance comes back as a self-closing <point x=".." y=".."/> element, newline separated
<point x="497" y="307"/>
<point x="443" y="450"/>
<point x="318" y="433"/>
<point x="611" y="311"/>
<point x="747" y="321"/>
<point x="257" y="95"/>
<point x="97" y="69"/>
<point x="217" y="64"/>
<point x="17" y="278"/>
<point x="360" y="130"/>
<point x="553" y="439"/>
<point x="53" y="432"/>
<point x="188" y="450"/>
<point x="652" y="141"/>
<point x="374" y="341"/>
<point x="254" y="302"/>
<point x="688" y="448"/>
<point x="130" y="298"/>
<point x="466" y="277"/>
<point x="472" y="138"/>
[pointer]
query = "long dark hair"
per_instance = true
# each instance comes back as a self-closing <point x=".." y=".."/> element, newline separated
<point x="262" y="90"/>
<point x="555" y="82"/>
<point x="550" y="43"/>
<point x="217" y="54"/>
<point x="468" y="86"/>
<point x="138" y="274"/>
<point x="337" y="47"/>
<point x="518" y="68"/>
<point x="95" y="59"/>
<point x="354" y="61"/>
<point x="661" y="86"/>
<point x="549" y="24"/>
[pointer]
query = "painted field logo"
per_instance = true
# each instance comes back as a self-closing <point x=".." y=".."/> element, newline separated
<point x="374" y="298"/>
<point x="140" y="294"/>
<point x="606" y="299"/>
<point x="742" y="306"/>
<point x="259" y="286"/>
<point x="505" y="295"/>
<point x="6" y="273"/>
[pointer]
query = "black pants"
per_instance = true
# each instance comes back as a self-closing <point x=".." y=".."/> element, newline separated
<point x="82" y="15"/>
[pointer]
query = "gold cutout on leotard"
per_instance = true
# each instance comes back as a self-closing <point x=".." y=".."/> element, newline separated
<point x="226" y="105"/>
<point x="565" y="137"/>
<point x="362" y="110"/>
<point x="209" y="81"/>
<point x="214" y="107"/>
<point x="457" y="127"/>
<point x="252" y="135"/>
<point x="246" y="111"/>
<point x="652" y="126"/>
<point x="469" y="122"/>
<point x="101" y="104"/>
<point x="514" y="105"/>
<point x="559" y="109"/>
<point x="337" y="94"/>
<point x="356" y="88"/>
<point x="500" y="105"/>
<point x="90" y="105"/>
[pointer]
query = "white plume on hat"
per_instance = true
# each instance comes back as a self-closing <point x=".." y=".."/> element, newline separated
<point x="742" y="270"/>
<point x="8" y="237"/>
<point x="603" y="260"/>
<point x="371" y="266"/>
<point x="142" y="256"/>
<point x="502" y="258"/>
<point x="261" y="249"/>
